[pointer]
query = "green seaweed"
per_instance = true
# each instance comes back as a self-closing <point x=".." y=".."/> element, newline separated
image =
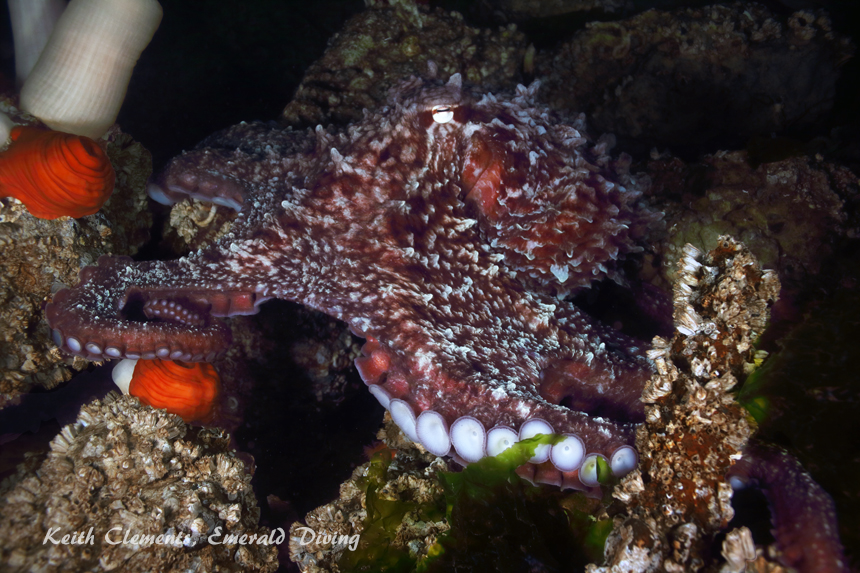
<point x="479" y="479"/>
<point x="498" y="521"/>
<point x="376" y="550"/>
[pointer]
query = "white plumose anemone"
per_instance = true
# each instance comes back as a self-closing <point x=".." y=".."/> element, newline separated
<point x="80" y="80"/>
<point x="32" y="22"/>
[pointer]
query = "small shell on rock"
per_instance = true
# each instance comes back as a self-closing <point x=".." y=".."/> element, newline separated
<point x="656" y="388"/>
<point x="738" y="549"/>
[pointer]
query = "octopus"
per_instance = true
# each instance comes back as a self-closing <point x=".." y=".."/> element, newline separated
<point x="446" y="229"/>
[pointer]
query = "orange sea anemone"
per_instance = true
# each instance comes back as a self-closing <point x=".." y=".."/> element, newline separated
<point x="188" y="389"/>
<point x="55" y="174"/>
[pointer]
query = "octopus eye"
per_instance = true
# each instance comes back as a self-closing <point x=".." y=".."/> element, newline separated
<point x="443" y="113"/>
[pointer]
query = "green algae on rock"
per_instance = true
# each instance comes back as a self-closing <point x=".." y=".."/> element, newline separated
<point x="394" y="503"/>
<point x="409" y="512"/>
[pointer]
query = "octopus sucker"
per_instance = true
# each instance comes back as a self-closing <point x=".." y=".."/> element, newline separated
<point x="443" y="228"/>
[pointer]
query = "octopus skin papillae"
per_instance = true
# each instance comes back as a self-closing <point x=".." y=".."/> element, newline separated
<point x="446" y="229"/>
<point x="443" y="228"/>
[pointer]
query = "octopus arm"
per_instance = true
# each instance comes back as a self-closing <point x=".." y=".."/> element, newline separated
<point x="802" y="513"/>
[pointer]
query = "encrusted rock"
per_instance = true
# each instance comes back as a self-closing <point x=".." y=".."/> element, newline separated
<point x="325" y="351"/>
<point x="788" y="212"/>
<point x="693" y="76"/>
<point x="517" y="10"/>
<point x="124" y="471"/>
<point x="393" y="40"/>
<point x="318" y="543"/>
<point x="695" y="430"/>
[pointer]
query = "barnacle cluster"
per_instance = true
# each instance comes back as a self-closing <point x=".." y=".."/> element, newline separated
<point x="138" y="490"/>
<point x="694" y="429"/>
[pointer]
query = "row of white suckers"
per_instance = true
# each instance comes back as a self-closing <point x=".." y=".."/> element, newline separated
<point x="94" y="349"/>
<point x="471" y="441"/>
<point x="172" y="310"/>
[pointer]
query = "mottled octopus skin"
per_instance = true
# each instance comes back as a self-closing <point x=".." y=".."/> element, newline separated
<point x="442" y="227"/>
